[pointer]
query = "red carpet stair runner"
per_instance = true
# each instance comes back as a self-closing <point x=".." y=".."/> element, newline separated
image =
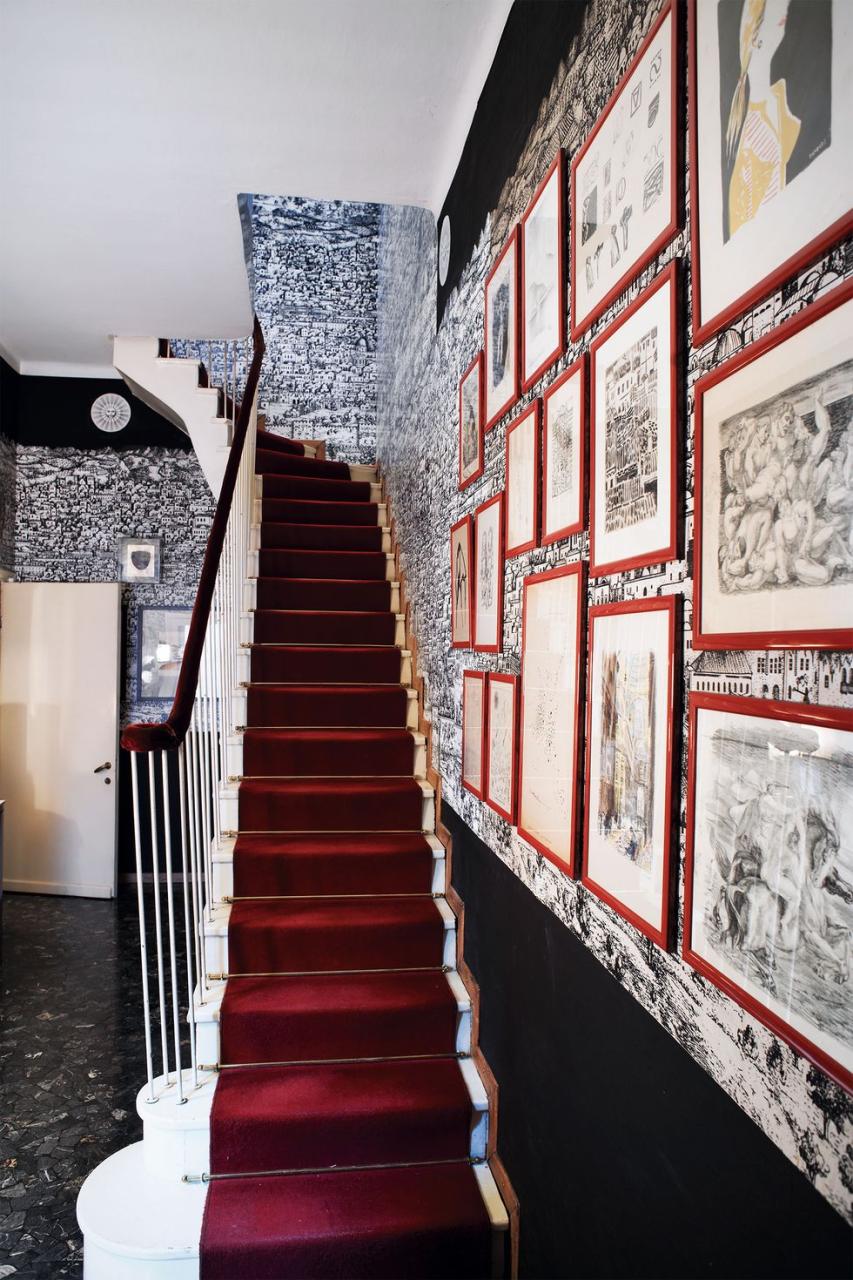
<point x="346" y="1115"/>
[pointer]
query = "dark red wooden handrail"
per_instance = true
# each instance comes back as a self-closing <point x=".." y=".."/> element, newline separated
<point x="171" y="732"/>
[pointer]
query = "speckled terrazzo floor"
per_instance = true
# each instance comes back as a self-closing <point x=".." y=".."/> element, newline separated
<point x="71" y="1063"/>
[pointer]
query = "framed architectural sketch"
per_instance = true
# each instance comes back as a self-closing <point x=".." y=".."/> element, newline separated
<point x="522" y="481"/>
<point x="624" y="180"/>
<point x="500" y="790"/>
<point x="461" y="584"/>
<point x="771" y="98"/>
<point x="551" y="678"/>
<point x="628" y="818"/>
<point x="138" y="559"/>
<point x="161" y="633"/>
<point x="489" y="575"/>
<point x="632" y="509"/>
<point x="774" y="488"/>
<point x="564" y="454"/>
<point x="768" y="903"/>
<point x="543" y="276"/>
<point x="471" y="422"/>
<point x="473" y="731"/>
<point x="501" y="342"/>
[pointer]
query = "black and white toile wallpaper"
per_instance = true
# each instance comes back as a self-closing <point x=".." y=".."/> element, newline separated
<point x="797" y="1106"/>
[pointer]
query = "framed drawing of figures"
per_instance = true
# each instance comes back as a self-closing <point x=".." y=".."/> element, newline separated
<point x="471" y="422"/>
<point x="500" y="790"/>
<point x="489" y="575"/>
<point x="632" y="510"/>
<point x="501" y="343"/>
<point x="624" y="180"/>
<point x="564" y="454"/>
<point x="522" y="481"/>
<point x="768" y="880"/>
<point x="551" y="677"/>
<point x="774" y="488"/>
<point x="461" y="584"/>
<point x="473" y="731"/>
<point x="627" y="824"/>
<point x="543" y="275"/>
<point x="771" y="98"/>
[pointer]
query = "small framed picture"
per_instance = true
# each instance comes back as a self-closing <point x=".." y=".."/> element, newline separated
<point x="501" y="781"/>
<point x="768" y="901"/>
<point x="471" y="422"/>
<point x="461" y="584"/>
<point x="770" y="98"/>
<point x="501" y="341"/>
<point x="139" y="559"/>
<point x="633" y="501"/>
<point x="551" y="688"/>
<point x="522" y="481"/>
<point x="564" y="454"/>
<point x="624" y="179"/>
<point x="473" y="731"/>
<point x="161" y="633"/>
<point x="629" y="760"/>
<point x="489" y="575"/>
<point x="543" y="276"/>
<point x="774" y="488"/>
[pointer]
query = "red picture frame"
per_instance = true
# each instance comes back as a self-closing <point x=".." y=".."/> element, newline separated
<point x="479" y="677"/>
<point x="576" y="568"/>
<point x="479" y="646"/>
<point x="763" y="288"/>
<point x="662" y="554"/>
<point x="558" y="164"/>
<point x="578" y="369"/>
<point x="839" y="638"/>
<point x="512" y="245"/>
<point x="533" y="410"/>
<point x="828" y="717"/>
<point x="655" y="604"/>
<point x="580" y="326"/>
<point x="467" y="523"/>
<point x="478" y="365"/>
<point x="509" y="815"/>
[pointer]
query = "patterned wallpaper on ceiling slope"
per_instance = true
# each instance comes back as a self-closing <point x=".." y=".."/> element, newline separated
<point x="803" y="1112"/>
<point x="7" y="503"/>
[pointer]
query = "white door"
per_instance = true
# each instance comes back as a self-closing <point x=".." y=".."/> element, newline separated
<point x="59" y="673"/>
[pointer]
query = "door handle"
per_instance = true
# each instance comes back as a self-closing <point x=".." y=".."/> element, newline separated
<point x="101" y="767"/>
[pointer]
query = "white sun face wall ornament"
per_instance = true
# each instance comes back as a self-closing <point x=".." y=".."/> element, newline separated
<point x="110" y="412"/>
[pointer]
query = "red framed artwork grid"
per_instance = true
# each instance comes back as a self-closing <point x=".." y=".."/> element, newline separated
<point x="828" y="717"/>
<point x="558" y="165"/>
<point x="496" y="677"/>
<point x="478" y="365"/>
<point x="511" y="246"/>
<point x="467" y="524"/>
<point x="479" y="646"/>
<point x="480" y="678"/>
<point x="658" y="604"/>
<point x="579" y="370"/>
<point x="533" y="410"/>
<point x="580" y="325"/>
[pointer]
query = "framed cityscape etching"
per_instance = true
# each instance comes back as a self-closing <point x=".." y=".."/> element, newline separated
<point x="461" y="584"/>
<point x="774" y="488"/>
<point x="473" y="731"/>
<point x="500" y="790"/>
<point x="522" y="481"/>
<point x="627" y="823"/>
<point x="768" y="881"/>
<point x="551" y="677"/>
<point x="501" y="340"/>
<point x="564" y="454"/>
<point x="633" y="507"/>
<point x="771" y="98"/>
<point x="471" y="422"/>
<point x="489" y="575"/>
<point x="624" y="179"/>
<point x="543" y="276"/>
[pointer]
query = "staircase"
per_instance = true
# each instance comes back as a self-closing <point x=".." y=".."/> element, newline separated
<point x="340" y="1124"/>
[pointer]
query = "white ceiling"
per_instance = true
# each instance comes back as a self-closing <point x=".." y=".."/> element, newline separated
<point x="129" y="127"/>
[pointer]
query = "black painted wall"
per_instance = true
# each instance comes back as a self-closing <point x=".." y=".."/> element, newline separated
<point x="628" y="1160"/>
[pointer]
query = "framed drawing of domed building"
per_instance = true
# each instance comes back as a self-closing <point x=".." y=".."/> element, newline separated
<point x="771" y="99"/>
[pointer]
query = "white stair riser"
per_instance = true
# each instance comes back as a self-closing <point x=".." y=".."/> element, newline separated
<point x="229" y="810"/>
<point x="240" y="699"/>
<point x="234" y="756"/>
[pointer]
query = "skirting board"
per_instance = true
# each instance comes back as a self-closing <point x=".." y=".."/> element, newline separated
<point x="56" y="888"/>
